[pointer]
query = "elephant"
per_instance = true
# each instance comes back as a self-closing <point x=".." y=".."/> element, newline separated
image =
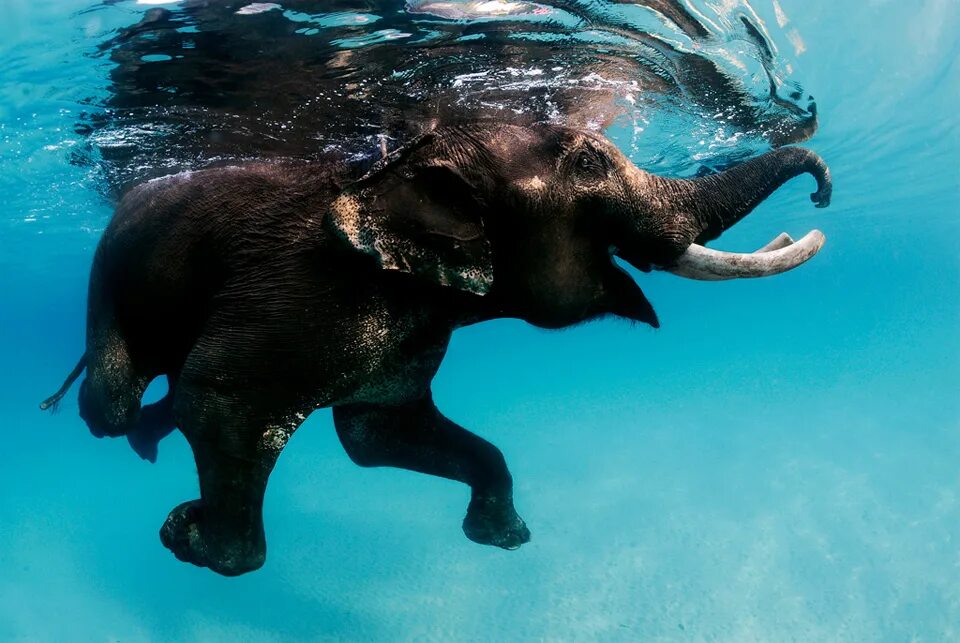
<point x="267" y="290"/>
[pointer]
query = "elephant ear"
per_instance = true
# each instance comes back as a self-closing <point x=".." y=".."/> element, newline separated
<point x="423" y="220"/>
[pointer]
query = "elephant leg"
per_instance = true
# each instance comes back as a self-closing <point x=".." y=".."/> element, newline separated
<point x="155" y="423"/>
<point x="416" y="436"/>
<point x="234" y="453"/>
<point x="110" y="393"/>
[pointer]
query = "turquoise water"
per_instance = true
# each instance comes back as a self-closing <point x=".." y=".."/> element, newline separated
<point x="778" y="462"/>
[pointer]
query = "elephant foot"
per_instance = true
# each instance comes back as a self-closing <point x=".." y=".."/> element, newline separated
<point x="494" y="521"/>
<point x="188" y="535"/>
<point x="144" y="444"/>
<point x="155" y="423"/>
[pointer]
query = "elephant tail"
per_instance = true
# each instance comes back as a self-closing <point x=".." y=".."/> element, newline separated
<point x="53" y="401"/>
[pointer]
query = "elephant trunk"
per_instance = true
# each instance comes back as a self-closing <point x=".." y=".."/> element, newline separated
<point x="717" y="202"/>
<point x="698" y="210"/>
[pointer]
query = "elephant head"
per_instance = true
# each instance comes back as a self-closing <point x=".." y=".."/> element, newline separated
<point x="529" y="218"/>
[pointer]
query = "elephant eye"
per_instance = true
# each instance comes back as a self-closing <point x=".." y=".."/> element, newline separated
<point x="588" y="162"/>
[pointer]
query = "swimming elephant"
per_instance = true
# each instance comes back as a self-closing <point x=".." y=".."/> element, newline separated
<point x="265" y="291"/>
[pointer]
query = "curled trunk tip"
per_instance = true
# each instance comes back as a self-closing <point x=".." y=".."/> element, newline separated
<point x="717" y="202"/>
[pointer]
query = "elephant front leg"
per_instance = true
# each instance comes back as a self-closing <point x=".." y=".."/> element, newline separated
<point x="416" y="436"/>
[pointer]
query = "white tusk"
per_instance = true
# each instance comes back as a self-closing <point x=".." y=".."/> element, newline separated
<point x="782" y="240"/>
<point x="774" y="258"/>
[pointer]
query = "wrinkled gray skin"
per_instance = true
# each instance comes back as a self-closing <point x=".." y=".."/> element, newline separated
<point x="266" y="291"/>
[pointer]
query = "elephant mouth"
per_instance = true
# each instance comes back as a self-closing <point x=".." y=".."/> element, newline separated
<point x="780" y="255"/>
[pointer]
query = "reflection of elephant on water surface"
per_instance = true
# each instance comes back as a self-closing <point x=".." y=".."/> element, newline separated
<point x="266" y="291"/>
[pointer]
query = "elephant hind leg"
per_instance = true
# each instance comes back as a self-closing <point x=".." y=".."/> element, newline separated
<point x="418" y="437"/>
<point x="223" y="529"/>
<point x="156" y="422"/>
<point x="111" y="392"/>
<point x="235" y="447"/>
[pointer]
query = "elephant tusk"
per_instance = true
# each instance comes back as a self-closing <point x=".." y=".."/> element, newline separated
<point x="782" y="240"/>
<point x="780" y="255"/>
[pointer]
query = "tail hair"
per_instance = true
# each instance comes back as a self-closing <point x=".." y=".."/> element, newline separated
<point x="52" y="403"/>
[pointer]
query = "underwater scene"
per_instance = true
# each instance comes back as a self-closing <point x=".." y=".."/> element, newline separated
<point x="487" y="233"/>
